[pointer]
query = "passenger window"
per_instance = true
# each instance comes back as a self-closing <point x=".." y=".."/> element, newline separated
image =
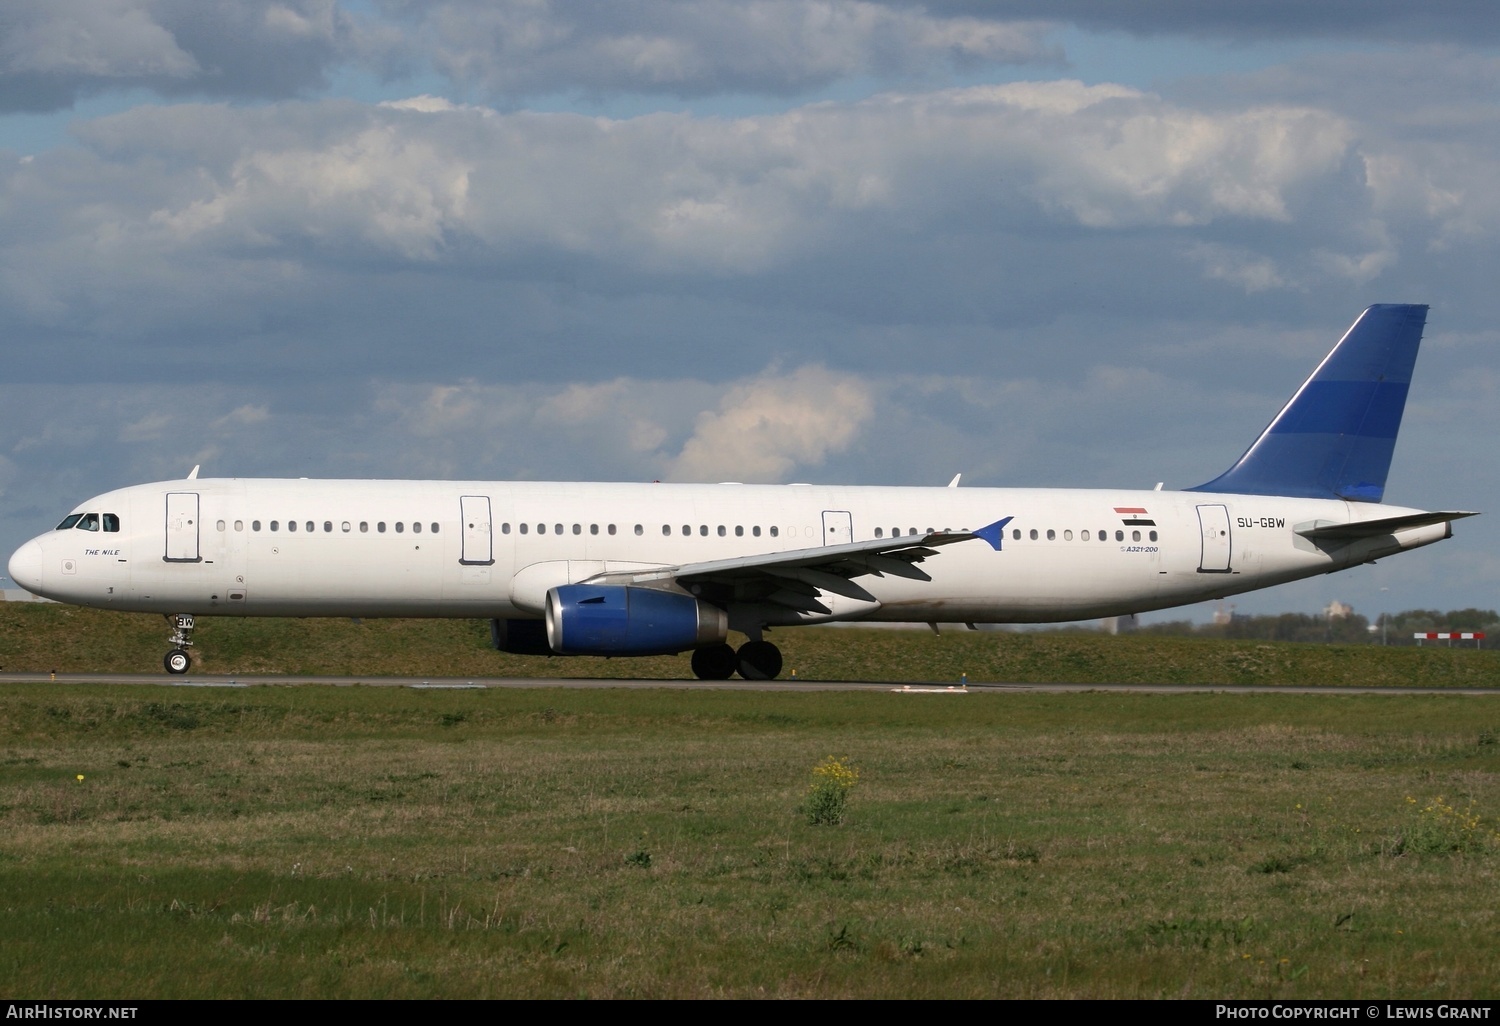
<point x="434" y="528"/>
<point x="755" y="530"/>
<point x="505" y="528"/>
<point x="220" y="525"/>
<point x="666" y="529"/>
<point x="523" y="528"/>
<point x="1015" y="534"/>
<point x="593" y="529"/>
<point x="774" y="530"/>
<point x="1119" y="536"/>
<point x="255" y="525"/>
<point x="275" y="525"/>
<point x="557" y="529"/>
<point x="540" y="528"/>
<point x="1104" y="536"/>
<point x="880" y="532"/>
<point x="722" y="531"/>
<point x="578" y="529"/>
<point x="687" y="529"/>
<point x="739" y="530"/>
<point x="611" y="528"/>
<point x="70" y="521"/>
<point x="416" y="527"/>
<point x="1051" y="534"/>
<point x="364" y="527"/>
<point x="639" y="530"/>
<point x="239" y="525"/>
<point x="291" y="525"/>
<point x="1067" y="536"/>
<point x="1084" y="536"/>
<point x="380" y="528"/>
<point x="346" y="526"/>
<point x="1135" y="536"/>
<point x="703" y="530"/>
<point x="112" y="523"/>
<point x="1153" y="536"/>
<point x="311" y="527"/>
<point x="400" y="527"/>
<point x="328" y="527"/>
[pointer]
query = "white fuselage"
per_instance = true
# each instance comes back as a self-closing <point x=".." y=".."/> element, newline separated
<point x="487" y="549"/>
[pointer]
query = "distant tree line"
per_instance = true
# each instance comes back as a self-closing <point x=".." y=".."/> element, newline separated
<point x="1354" y="629"/>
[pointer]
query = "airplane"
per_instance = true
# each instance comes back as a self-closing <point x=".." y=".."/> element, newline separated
<point x="626" y="569"/>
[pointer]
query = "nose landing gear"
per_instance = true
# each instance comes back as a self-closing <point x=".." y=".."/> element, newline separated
<point x="178" y="661"/>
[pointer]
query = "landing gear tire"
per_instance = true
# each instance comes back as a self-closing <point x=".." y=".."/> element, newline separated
<point x="759" y="660"/>
<point x="716" y="662"/>
<point x="178" y="660"/>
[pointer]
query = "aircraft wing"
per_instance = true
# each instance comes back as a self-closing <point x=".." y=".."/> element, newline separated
<point x="795" y="577"/>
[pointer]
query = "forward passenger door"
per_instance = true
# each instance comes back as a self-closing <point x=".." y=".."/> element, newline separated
<point x="182" y="528"/>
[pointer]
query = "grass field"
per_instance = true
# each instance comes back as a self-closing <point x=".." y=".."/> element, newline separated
<point x="38" y="638"/>
<point x="381" y="842"/>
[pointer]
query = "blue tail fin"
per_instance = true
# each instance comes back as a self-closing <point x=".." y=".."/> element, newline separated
<point x="1335" y="437"/>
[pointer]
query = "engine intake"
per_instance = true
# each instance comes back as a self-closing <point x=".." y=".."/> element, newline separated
<point x="613" y="620"/>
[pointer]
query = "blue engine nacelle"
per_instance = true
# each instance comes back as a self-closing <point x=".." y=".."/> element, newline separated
<point x="612" y="620"/>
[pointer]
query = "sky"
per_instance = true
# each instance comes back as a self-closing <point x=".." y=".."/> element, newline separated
<point x="1075" y="243"/>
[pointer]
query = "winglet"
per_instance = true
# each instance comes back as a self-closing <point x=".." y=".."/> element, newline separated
<point x="993" y="533"/>
<point x="193" y="474"/>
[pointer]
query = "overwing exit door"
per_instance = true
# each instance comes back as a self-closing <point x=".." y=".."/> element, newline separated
<point x="838" y="527"/>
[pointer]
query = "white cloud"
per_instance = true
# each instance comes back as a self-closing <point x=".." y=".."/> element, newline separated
<point x="697" y="47"/>
<point x="52" y="52"/>
<point x="1247" y="270"/>
<point x="672" y="192"/>
<point x="765" y="428"/>
<point x="244" y="416"/>
<point x="148" y="428"/>
<point x="97" y="39"/>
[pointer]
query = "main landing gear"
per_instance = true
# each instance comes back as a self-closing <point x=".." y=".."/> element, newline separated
<point x="755" y="660"/>
<point x="178" y="660"/>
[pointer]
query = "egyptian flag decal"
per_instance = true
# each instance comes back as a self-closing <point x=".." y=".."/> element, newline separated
<point x="1134" y="516"/>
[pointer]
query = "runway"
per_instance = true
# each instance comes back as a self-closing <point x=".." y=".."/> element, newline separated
<point x="587" y="683"/>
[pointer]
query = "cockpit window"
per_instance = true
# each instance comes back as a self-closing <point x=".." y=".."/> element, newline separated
<point x="90" y="522"/>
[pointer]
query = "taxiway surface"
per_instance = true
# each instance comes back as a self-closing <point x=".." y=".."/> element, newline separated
<point x="903" y="687"/>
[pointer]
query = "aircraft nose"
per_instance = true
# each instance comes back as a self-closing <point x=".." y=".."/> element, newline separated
<point x="26" y="567"/>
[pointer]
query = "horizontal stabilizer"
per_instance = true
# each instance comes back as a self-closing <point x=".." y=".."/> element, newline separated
<point x="1376" y="528"/>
